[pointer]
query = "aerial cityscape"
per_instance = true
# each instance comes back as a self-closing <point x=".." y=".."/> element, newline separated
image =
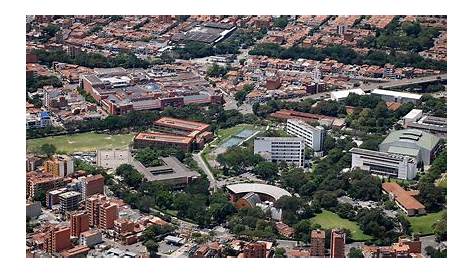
<point x="237" y="136"/>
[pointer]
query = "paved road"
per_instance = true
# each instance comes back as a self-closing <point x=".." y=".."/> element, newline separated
<point x="198" y="158"/>
<point x="404" y="82"/>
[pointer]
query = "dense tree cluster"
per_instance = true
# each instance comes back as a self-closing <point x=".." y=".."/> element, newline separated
<point x="238" y="159"/>
<point x="436" y="106"/>
<point x="130" y="175"/>
<point x="35" y="82"/>
<point x="408" y="36"/>
<point x="374" y="222"/>
<point x="217" y="71"/>
<point x="432" y="196"/>
<point x="92" y="60"/>
<point x="252" y="222"/>
<point x="347" y="55"/>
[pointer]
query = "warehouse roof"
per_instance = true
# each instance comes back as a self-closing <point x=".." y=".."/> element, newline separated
<point x="396" y="94"/>
<point x="422" y="139"/>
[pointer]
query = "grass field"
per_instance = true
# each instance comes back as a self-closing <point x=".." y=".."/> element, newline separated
<point x="88" y="141"/>
<point x="328" y="219"/>
<point x="424" y="224"/>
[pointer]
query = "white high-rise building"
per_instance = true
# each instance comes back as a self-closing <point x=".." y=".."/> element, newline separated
<point x="278" y="149"/>
<point x="313" y="136"/>
<point x="382" y="163"/>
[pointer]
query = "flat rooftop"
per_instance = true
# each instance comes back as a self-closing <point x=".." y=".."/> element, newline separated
<point x="171" y="169"/>
<point x="396" y="94"/>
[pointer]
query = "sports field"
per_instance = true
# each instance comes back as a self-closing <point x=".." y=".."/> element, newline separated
<point x="328" y="219"/>
<point x="424" y="224"/>
<point x="83" y="142"/>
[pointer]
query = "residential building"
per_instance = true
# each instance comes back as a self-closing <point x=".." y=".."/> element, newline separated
<point x="338" y="242"/>
<point x="41" y="181"/>
<point x="91" y="185"/>
<point x="313" y="136"/>
<point x="79" y="223"/>
<point x="79" y="251"/>
<point x="102" y="213"/>
<point x="422" y="146"/>
<point x="317" y="243"/>
<point x="385" y="164"/>
<point x="69" y="200"/>
<point x="281" y="149"/>
<point x="405" y="200"/>
<point x="57" y="239"/>
<point x="255" y="250"/>
<point x="33" y="209"/>
<point x="90" y="237"/>
<point x="60" y="165"/>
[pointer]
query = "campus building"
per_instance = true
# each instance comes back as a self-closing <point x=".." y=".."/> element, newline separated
<point x="313" y="136"/>
<point x="385" y="164"/>
<point x="177" y="133"/>
<point x="281" y="149"/>
<point x="431" y="124"/>
<point x="404" y="199"/>
<point x="422" y="146"/>
<point x="171" y="172"/>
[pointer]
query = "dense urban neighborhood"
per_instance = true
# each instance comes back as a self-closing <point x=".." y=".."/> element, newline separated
<point x="212" y="136"/>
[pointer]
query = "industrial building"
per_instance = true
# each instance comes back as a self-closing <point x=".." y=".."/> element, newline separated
<point x="414" y="143"/>
<point x="398" y="97"/>
<point x="313" y="136"/>
<point x="340" y="95"/>
<point x="281" y="149"/>
<point x="385" y="164"/>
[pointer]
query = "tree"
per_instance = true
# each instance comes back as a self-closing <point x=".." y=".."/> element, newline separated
<point x="216" y="71"/>
<point x="355" y="253"/>
<point x="325" y="199"/>
<point x="431" y="196"/>
<point x="40" y="196"/>
<point x="281" y="22"/>
<point x="266" y="170"/>
<point x="294" y="178"/>
<point x="130" y="175"/>
<point x="303" y="230"/>
<point x="48" y="150"/>
<point x="441" y="228"/>
<point x="436" y="253"/>
<point x="280" y="253"/>
<point x="152" y="247"/>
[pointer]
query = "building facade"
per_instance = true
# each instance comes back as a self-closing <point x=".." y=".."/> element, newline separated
<point x="317" y="243"/>
<point x="338" y="242"/>
<point x="313" y="136"/>
<point x="385" y="164"/>
<point x="281" y="149"/>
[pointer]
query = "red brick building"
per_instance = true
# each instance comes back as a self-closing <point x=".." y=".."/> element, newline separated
<point x="338" y="241"/>
<point x="317" y="243"/>
<point x="57" y="239"/>
<point x="79" y="222"/>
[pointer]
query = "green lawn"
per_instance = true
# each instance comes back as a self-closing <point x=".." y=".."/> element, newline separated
<point x="424" y="224"/>
<point x="328" y="219"/>
<point x="88" y="141"/>
<point x="443" y="181"/>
